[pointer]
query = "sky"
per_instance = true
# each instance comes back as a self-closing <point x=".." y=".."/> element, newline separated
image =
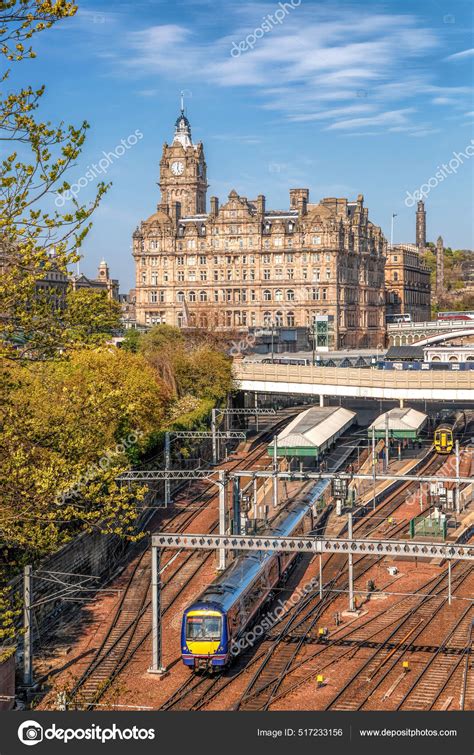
<point x="343" y="98"/>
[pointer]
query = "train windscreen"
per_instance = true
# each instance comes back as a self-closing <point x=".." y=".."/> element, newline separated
<point x="203" y="627"/>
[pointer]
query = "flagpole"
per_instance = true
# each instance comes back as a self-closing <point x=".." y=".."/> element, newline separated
<point x="394" y="215"/>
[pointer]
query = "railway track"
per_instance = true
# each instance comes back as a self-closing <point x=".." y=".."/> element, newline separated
<point x="355" y="694"/>
<point x="282" y="655"/>
<point x="127" y="632"/>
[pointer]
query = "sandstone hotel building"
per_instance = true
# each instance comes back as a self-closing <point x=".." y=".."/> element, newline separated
<point x="241" y="265"/>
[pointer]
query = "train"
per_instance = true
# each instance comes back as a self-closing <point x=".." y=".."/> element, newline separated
<point x="445" y="433"/>
<point x="430" y="366"/>
<point x="213" y="624"/>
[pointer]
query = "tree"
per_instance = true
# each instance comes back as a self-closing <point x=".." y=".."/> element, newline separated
<point x="68" y="429"/>
<point x="33" y="238"/>
<point x="131" y="340"/>
<point x="90" y="316"/>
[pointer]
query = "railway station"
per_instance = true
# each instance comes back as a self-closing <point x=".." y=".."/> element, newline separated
<point x="311" y="433"/>
<point x="399" y="424"/>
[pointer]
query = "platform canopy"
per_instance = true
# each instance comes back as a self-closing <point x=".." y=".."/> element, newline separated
<point x="313" y="431"/>
<point x="402" y="423"/>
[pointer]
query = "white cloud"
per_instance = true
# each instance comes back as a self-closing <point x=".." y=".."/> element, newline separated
<point x="460" y="55"/>
<point x="354" y="60"/>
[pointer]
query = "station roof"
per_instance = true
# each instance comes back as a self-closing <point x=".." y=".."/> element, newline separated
<point x="315" y="426"/>
<point x="401" y="353"/>
<point x="402" y="423"/>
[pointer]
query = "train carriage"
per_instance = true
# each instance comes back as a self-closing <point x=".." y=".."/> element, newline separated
<point x="231" y="603"/>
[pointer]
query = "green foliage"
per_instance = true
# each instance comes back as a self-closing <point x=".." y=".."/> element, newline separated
<point x="90" y="317"/>
<point x="68" y="428"/>
<point x="131" y="341"/>
<point x="33" y="238"/>
<point x="161" y="337"/>
<point x="204" y="373"/>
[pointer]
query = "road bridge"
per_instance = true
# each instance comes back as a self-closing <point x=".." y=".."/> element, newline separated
<point x="350" y="382"/>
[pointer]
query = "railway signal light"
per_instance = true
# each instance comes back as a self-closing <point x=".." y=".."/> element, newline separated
<point x="320" y="680"/>
<point x="406" y="666"/>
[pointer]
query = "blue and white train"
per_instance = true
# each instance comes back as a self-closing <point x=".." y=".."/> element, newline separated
<point x="226" y="608"/>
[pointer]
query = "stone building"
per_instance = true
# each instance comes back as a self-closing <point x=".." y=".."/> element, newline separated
<point x="103" y="282"/>
<point x="242" y="265"/>
<point x="407" y="282"/>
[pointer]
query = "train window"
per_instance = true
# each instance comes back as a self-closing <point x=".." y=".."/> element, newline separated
<point x="203" y="627"/>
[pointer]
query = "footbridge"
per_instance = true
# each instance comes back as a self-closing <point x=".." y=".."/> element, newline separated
<point x="355" y="383"/>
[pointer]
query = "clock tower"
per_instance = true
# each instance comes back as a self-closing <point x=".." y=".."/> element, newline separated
<point x="183" y="171"/>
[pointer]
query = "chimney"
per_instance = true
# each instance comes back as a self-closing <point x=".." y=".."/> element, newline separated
<point x="261" y="204"/>
<point x="299" y="200"/>
<point x="214" y="206"/>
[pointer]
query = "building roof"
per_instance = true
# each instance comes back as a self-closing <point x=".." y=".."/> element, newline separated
<point x="396" y="353"/>
<point x="399" y="420"/>
<point x="314" y="426"/>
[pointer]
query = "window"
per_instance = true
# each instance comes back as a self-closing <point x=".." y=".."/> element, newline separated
<point x="202" y="296"/>
<point x="180" y="276"/>
<point x="266" y="275"/>
<point x="143" y="277"/>
<point x="278" y="295"/>
<point x="203" y="276"/>
<point x="192" y="296"/>
<point x="278" y="241"/>
<point x="191" y="260"/>
<point x="316" y="239"/>
<point x="180" y="260"/>
<point x="290" y="319"/>
<point x="190" y="244"/>
<point x="267" y="295"/>
<point x="202" y="259"/>
<point x="192" y="276"/>
<point x="180" y="296"/>
<point x="153" y="297"/>
<point x="328" y="273"/>
<point x="154" y="279"/>
<point x="143" y="261"/>
<point x="289" y="257"/>
<point x="325" y="294"/>
<point x="278" y="259"/>
<point x="279" y="319"/>
<point x="290" y="295"/>
<point x="266" y="259"/>
<point x="290" y="273"/>
<point x="216" y="295"/>
<point x="203" y="627"/>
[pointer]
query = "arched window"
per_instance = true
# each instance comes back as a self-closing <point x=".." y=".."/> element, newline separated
<point x="290" y="319"/>
<point x="203" y="296"/>
<point x="192" y="296"/>
<point x="180" y="319"/>
<point x="279" y="319"/>
<point x="267" y="318"/>
<point x="278" y="295"/>
<point x="267" y="295"/>
<point x="180" y="296"/>
<point x="290" y="295"/>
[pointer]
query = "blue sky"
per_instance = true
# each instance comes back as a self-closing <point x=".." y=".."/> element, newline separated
<point x="340" y="97"/>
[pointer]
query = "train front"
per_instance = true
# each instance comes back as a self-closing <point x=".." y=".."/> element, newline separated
<point x="204" y="639"/>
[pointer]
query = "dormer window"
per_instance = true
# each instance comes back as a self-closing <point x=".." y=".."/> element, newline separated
<point x="203" y="229"/>
<point x="268" y="227"/>
<point x="291" y="226"/>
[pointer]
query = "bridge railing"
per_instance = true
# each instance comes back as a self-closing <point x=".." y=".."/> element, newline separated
<point x="430" y="325"/>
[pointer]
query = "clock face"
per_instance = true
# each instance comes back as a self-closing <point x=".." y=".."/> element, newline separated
<point x="177" y="168"/>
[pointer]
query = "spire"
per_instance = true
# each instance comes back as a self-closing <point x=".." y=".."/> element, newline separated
<point x="182" y="132"/>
